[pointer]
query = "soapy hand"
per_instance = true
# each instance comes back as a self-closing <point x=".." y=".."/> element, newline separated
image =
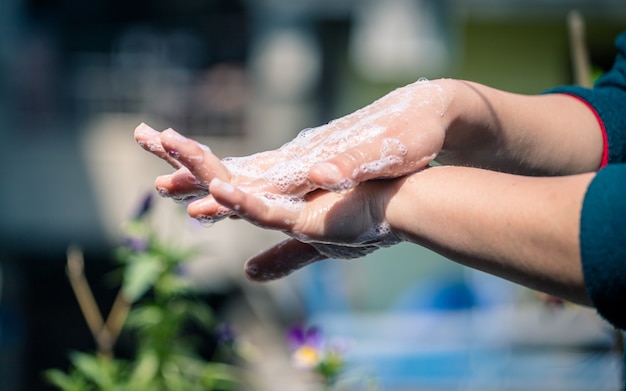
<point x="322" y="224"/>
<point x="398" y="134"/>
<point x="196" y="166"/>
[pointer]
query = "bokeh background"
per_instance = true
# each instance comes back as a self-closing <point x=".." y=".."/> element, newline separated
<point x="76" y="78"/>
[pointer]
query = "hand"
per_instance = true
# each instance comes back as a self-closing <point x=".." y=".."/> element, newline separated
<point x="196" y="166"/>
<point x="323" y="224"/>
<point x="398" y="134"/>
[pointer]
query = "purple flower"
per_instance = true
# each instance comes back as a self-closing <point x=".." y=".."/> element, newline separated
<point x="306" y="345"/>
<point x="310" y="351"/>
<point x="144" y="207"/>
<point x="225" y="333"/>
<point x="136" y="238"/>
<point x="136" y="243"/>
<point x="298" y="336"/>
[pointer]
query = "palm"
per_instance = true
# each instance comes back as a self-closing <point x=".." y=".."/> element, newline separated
<point x="338" y="225"/>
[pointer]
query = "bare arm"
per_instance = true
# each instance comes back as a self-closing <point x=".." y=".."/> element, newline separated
<point x="551" y="134"/>
<point x="524" y="229"/>
<point x="455" y="122"/>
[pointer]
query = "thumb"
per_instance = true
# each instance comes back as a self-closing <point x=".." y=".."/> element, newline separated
<point x="281" y="260"/>
<point x="365" y="161"/>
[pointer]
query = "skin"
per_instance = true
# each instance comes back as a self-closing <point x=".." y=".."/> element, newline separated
<point x="467" y="124"/>
<point x="514" y="217"/>
<point x="551" y="134"/>
<point x="524" y="229"/>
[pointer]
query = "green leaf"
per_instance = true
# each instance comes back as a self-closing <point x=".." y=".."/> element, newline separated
<point x="140" y="275"/>
<point x="145" y="316"/>
<point x="201" y="314"/>
<point x="331" y="367"/>
<point x="220" y="376"/>
<point x="60" y="380"/>
<point x="171" y="285"/>
<point x="170" y="254"/>
<point x="145" y="371"/>
<point x="98" y="370"/>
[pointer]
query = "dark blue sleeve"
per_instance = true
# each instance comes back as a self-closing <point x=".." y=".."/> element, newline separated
<point x="608" y="98"/>
<point x="603" y="243"/>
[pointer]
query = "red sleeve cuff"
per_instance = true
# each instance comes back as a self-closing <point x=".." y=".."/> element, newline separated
<point x="605" y="138"/>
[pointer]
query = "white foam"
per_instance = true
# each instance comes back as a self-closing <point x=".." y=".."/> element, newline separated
<point x="291" y="203"/>
<point x="243" y="166"/>
<point x="154" y="146"/>
<point x="205" y="221"/>
<point x="200" y="192"/>
<point x="226" y="186"/>
<point x="163" y="192"/>
<point x="287" y="168"/>
<point x="208" y="221"/>
<point x="377" y="237"/>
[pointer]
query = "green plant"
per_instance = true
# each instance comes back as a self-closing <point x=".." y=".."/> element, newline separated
<point x="157" y="306"/>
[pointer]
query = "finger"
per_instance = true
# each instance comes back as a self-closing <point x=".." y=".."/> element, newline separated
<point x="181" y="186"/>
<point x="208" y="211"/>
<point x="271" y="213"/>
<point x="149" y="139"/>
<point x="196" y="157"/>
<point x="281" y="260"/>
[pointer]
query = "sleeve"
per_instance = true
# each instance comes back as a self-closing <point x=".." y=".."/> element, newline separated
<point x="607" y="99"/>
<point x="603" y="243"/>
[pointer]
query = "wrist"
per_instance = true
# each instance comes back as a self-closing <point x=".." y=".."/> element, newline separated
<point x="455" y="120"/>
<point x="469" y="122"/>
<point x="403" y="195"/>
<point x="453" y="112"/>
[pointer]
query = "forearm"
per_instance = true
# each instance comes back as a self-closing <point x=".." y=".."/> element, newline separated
<point x="539" y="135"/>
<point x="524" y="229"/>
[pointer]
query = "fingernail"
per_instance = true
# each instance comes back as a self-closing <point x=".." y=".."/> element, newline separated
<point x="255" y="273"/>
<point x="174" y="135"/>
<point x="200" y="205"/>
<point x="144" y="129"/>
<point x="252" y="270"/>
<point x="329" y="171"/>
<point x="332" y="178"/>
<point x="225" y="186"/>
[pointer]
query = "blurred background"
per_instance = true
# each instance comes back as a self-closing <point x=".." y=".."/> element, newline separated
<point x="76" y="78"/>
